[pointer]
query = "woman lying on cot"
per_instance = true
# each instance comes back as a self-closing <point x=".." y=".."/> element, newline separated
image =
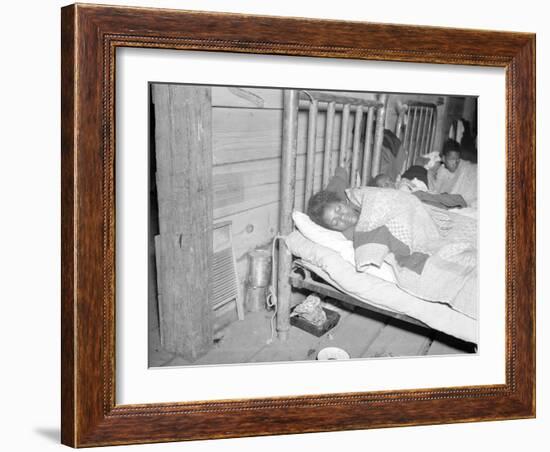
<point x="421" y="244"/>
<point x="331" y="208"/>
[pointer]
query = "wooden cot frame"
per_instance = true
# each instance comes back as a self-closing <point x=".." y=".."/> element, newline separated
<point x="90" y="413"/>
<point x="294" y="100"/>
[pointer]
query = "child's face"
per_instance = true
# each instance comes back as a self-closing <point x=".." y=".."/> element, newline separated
<point x="339" y="216"/>
<point x="451" y="160"/>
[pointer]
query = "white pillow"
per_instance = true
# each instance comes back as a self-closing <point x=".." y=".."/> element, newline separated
<point x="334" y="240"/>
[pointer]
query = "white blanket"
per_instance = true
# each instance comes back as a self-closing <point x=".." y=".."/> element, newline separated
<point x="341" y="274"/>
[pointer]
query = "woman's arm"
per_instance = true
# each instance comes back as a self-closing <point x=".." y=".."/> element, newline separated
<point x="338" y="183"/>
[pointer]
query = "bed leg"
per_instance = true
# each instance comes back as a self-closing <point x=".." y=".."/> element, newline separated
<point x="288" y="187"/>
<point x="283" y="289"/>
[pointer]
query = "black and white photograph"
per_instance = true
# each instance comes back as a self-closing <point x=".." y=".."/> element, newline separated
<point x="297" y="225"/>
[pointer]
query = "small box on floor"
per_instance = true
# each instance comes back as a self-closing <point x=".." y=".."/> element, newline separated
<point x="317" y="330"/>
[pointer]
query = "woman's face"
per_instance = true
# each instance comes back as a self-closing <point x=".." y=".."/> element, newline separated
<point x="340" y="216"/>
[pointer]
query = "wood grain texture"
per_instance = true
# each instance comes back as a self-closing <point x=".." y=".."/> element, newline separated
<point x="68" y="242"/>
<point x="240" y="134"/>
<point x="247" y="97"/>
<point x="90" y="36"/>
<point x="184" y="172"/>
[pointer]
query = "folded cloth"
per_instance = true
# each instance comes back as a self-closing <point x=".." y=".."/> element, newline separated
<point x="311" y="310"/>
<point x="441" y="200"/>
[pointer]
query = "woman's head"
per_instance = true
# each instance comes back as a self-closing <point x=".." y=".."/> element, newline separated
<point x="326" y="209"/>
<point x="451" y="155"/>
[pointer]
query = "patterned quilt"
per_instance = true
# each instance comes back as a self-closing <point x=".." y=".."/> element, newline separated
<point x="432" y="251"/>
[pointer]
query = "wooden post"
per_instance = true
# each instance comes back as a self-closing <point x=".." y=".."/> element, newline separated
<point x="310" y="157"/>
<point x="183" y="116"/>
<point x="344" y="135"/>
<point x="356" y="138"/>
<point x="328" y="143"/>
<point x="288" y="187"/>
<point x="379" y="135"/>
<point x="367" y="151"/>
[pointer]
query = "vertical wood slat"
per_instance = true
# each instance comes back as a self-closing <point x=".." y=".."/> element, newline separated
<point x="327" y="166"/>
<point x="426" y="148"/>
<point x="344" y="135"/>
<point x="426" y="131"/>
<point x="407" y="136"/>
<point x="379" y="135"/>
<point x="159" y="294"/>
<point x="421" y="124"/>
<point x="310" y="156"/>
<point x="367" y="151"/>
<point x="69" y="303"/>
<point x="288" y="186"/>
<point x="433" y="129"/>
<point x="183" y="124"/>
<point x="430" y="128"/>
<point x="356" y="143"/>
<point x="411" y="127"/>
<point x="418" y="133"/>
<point x="429" y="113"/>
<point x="413" y="136"/>
<point x="415" y="131"/>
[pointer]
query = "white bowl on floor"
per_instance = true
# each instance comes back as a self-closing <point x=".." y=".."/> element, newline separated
<point x="332" y="353"/>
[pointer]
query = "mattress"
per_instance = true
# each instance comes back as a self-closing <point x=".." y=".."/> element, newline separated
<point x="375" y="291"/>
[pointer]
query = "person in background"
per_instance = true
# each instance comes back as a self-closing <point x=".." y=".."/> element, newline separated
<point x="455" y="175"/>
<point x="414" y="179"/>
<point x="393" y="157"/>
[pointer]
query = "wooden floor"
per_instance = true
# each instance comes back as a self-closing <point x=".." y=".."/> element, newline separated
<point x="361" y="333"/>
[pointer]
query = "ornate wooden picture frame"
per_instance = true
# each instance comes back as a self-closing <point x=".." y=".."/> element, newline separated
<point x="90" y="37"/>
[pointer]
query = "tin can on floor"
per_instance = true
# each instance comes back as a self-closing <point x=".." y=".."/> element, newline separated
<point x="259" y="278"/>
